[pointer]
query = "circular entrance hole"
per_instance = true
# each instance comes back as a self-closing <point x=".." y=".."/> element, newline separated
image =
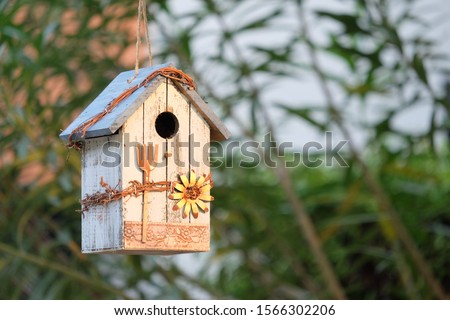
<point x="166" y="125"/>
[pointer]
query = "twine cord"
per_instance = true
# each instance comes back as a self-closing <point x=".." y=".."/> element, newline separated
<point x="138" y="40"/>
<point x="142" y="16"/>
<point x="147" y="34"/>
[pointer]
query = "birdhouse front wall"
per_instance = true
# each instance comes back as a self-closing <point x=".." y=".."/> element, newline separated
<point x="121" y="222"/>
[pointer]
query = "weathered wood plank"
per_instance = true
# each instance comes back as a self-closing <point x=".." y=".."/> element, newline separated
<point x="101" y="225"/>
<point x="199" y="155"/>
<point x="154" y="105"/>
<point x="133" y="135"/>
<point x="178" y="158"/>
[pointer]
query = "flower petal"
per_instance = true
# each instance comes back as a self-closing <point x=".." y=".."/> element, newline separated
<point x="201" y="180"/>
<point x="185" y="180"/>
<point x="192" y="178"/>
<point x="187" y="210"/>
<point x="194" y="210"/>
<point x="176" y="195"/>
<point x="205" y="188"/>
<point x="202" y="205"/>
<point x="179" y="205"/>
<point x="206" y="197"/>
<point x="180" y="187"/>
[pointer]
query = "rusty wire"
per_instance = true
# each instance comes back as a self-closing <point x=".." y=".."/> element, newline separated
<point x="110" y="194"/>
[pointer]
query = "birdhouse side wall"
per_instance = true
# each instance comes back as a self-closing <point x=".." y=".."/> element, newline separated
<point x="101" y="225"/>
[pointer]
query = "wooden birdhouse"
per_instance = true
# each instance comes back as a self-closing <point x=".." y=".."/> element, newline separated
<point x="146" y="177"/>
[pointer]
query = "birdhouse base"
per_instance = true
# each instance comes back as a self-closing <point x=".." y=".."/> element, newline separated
<point x="161" y="239"/>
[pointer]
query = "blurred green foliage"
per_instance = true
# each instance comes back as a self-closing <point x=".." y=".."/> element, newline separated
<point x="56" y="56"/>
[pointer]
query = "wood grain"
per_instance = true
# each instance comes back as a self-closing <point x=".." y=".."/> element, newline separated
<point x="178" y="162"/>
<point x="101" y="225"/>
<point x="199" y="154"/>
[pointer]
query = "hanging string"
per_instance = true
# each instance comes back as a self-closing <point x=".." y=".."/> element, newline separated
<point x="147" y="35"/>
<point x="142" y="15"/>
<point x="138" y="40"/>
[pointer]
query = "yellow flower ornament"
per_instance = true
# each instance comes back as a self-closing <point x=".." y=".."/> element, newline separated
<point x="191" y="193"/>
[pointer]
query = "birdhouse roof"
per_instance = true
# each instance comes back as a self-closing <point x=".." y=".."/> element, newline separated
<point x="114" y="120"/>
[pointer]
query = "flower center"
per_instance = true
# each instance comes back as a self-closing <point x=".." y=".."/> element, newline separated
<point x="192" y="193"/>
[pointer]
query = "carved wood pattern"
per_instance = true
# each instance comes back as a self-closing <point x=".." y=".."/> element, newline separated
<point x="167" y="237"/>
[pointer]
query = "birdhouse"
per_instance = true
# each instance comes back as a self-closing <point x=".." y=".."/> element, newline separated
<point x="146" y="178"/>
